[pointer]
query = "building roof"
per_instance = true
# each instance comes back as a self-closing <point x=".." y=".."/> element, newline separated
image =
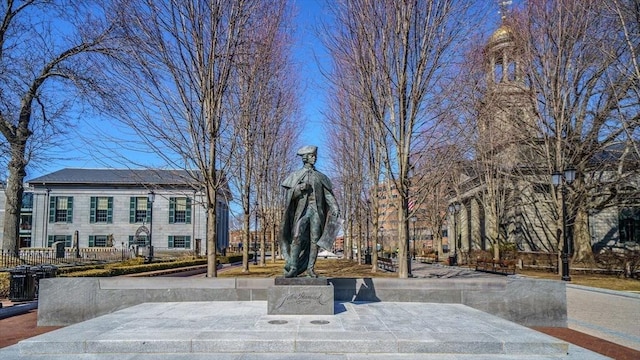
<point x="71" y="176"/>
<point x="502" y="34"/>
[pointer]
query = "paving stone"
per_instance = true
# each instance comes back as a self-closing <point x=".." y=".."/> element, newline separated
<point x="245" y="327"/>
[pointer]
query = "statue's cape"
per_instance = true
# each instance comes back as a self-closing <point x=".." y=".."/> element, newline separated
<point x="294" y="178"/>
<point x="331" y="229"/>
<point x="290" y="215"/>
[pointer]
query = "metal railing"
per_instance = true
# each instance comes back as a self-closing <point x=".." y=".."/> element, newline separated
<point x="31" y="256"/>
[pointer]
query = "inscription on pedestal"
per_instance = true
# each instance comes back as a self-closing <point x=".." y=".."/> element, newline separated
<point x="301" y="281"/>
<point x="300" y="300"/>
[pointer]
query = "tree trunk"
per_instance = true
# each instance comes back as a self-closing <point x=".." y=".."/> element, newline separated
<point x="13" y="202"/>
<point x="263" y="249"/>
<point x="403" y="226"/>
<point x="212" y="246"/>
<point x="274" y="233"/>
<point x="13" y="205"/>
<point x="582" y="251"/>
<point x="438" y="248"/>
<point x="246" y="241"/>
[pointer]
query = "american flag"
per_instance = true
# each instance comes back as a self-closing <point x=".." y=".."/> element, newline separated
<point x="412" y="204"/>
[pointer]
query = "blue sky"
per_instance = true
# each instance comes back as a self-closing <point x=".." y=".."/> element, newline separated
<point x="313" y="58"/>
<point x="308" y="49"/>
<point x="309" y="53"/>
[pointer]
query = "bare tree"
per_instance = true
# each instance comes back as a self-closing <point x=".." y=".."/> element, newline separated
<point x="262" y="107"/>
<point x="405" y="47"/>
<point x="49" y="56"/>
<point x="348" y="159"/>
<point x="575" y="58"/>
<point x="276" y="144"/>
<point x="184" y="55"/>
<point x="356" y="144"/>
<point x="435" y="176"/>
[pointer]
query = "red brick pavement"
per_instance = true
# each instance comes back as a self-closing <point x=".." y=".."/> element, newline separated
<point x="592" y="343"/>
<point x="16" y="328"/>
<point x="24" y="326"/>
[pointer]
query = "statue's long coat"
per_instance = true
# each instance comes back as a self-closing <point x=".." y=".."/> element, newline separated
<point x="295" y="209"/>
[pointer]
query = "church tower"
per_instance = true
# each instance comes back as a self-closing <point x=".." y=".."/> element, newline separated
<point x="506" y="121"/>
<point x="507" y="139"/>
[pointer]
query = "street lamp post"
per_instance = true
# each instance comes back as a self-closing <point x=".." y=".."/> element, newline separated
<point x="408" y="255"/>
<point x="453" y="210"/>
<point x="562" y="180"/>
<point x="381" y="232"/>
<point x="151" y="196"/>
<point x="255" y="238"/>
<point x="368" y="215"/>
<point x="413" y="220"/>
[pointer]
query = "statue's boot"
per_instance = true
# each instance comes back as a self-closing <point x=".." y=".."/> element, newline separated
<point x="292" y="272"/>
<point x="292" y="269"/>
<point x="313" y="254"/>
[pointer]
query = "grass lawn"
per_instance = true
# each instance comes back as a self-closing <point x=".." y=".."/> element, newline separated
<point x="348" y="268"/>
<point x="335" y="268"/>
<point x="610" y="282"/>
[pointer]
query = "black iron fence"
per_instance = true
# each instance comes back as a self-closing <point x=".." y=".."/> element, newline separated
<point x="31" y="256"/>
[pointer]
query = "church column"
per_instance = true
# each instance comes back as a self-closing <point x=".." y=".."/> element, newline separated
<point x="505" y="66"/>
<point x="492" y="72"/>
<point x="468" y="208"/>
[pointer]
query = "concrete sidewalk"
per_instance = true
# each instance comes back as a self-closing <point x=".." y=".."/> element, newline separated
<point x="606" y="314"/>
<point x="243" y="330"/>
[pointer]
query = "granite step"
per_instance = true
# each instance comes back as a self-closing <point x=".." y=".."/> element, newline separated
<point x="245" y="328"/>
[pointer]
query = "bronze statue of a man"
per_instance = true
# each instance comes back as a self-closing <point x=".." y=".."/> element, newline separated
<point x="310" y="216"/>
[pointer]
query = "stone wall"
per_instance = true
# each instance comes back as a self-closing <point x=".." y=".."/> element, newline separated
<point x="529" y="302"/>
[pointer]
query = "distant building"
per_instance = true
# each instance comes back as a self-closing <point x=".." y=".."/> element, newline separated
<point x="508" y="138"/>
<point x="118" y="208"/>
<point x="421" y="231"/>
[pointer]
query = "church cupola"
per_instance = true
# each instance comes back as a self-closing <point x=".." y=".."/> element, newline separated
<point x="502" y="54"/>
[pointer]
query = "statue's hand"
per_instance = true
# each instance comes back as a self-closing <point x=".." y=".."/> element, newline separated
<point x="304" y="187"/>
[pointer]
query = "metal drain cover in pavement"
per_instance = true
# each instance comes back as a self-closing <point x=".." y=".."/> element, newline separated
<point x="278" y="322"/>
<point x="319" y="322"/>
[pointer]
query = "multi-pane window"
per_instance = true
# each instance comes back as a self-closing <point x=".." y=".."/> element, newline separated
<point x="61" y="209"/>
<point x="140" y="240"/>
<point x="25" y="241"/>
<point x="101" y="210"/>
<point x="99" y="241"/>
<point x="139" y="210"/>
<point x="25" y="222"/>
<point x="629" y="224"/>
<point x="55" y="238"/>
<point x="179" y="210"/>
<point x="27" y="200"/>
<point x="179" y="242"/>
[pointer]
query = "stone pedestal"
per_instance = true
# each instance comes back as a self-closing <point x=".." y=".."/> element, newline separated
<point x="300" y="296"/>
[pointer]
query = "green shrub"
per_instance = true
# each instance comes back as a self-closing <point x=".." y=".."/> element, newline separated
<point x="125" y="270"/>
<point x="5" y="279"/>
<point x="130" y="262"/>
<point x="89" y="273"/>
<point x="73" y="269"/>
<point x="132" y="266"/>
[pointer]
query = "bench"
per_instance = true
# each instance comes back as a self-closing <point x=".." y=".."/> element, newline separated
<point x="386" y="264"/>
<point x="427" y="259"/>
<point x="505" y="267"/>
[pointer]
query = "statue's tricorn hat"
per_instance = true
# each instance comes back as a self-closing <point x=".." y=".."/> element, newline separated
<point x="309" y="149"/>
